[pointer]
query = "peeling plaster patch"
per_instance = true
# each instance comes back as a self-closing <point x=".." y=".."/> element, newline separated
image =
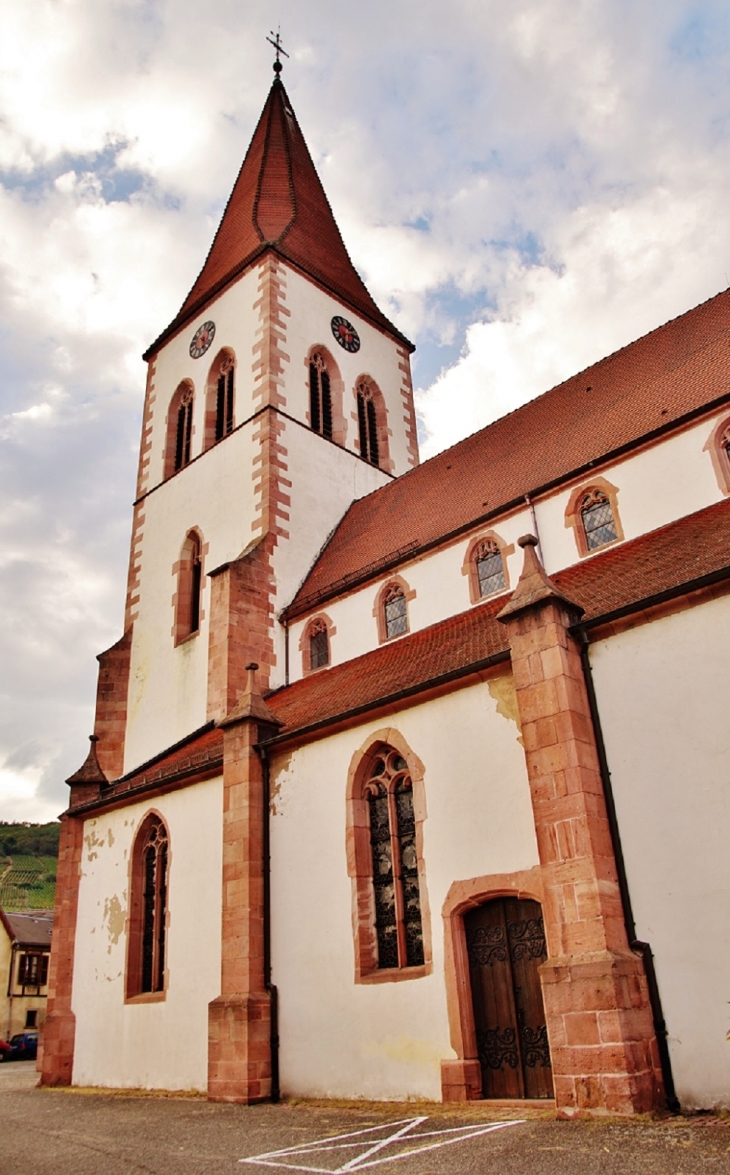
<point x="92" y="841"/>
<point x="282" y="768"/>
<point x="115" y="917"/>
<point x="502" y="690"/>
<point x="110" y="838"/>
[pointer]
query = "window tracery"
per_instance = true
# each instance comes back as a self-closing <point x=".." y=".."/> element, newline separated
<point x="320" y="396"/>
<point x="388" y="790"/>
<point x="224" y="398"/>
<point x="367" y="420"/>
<point x="599" y="524"/>
<point x="319" y="645"/>
<point x="489" y="567"/>
<point x="395" y="611"/>
<point x="184" y="429"/>
<point x="148" y="909"/>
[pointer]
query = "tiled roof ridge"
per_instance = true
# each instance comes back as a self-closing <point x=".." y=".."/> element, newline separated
<point x="241" y="235"/>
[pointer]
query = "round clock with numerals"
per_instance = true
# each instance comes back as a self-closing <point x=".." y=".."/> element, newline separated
<point x="202" y="339"/>
<point x="345" y="333"/>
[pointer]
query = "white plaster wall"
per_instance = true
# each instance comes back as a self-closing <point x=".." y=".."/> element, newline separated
<point x="160" y="1045"/>
<point x="168" y="685"/>
<point x="662" y="694"/>
<point x="312" y="311"/>
<point x="660" y="484"/>
<point x="339" y="1038"/>
<point x="235" y="322"/>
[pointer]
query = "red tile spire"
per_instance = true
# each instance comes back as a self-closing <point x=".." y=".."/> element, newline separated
<point x="278" y="203"/>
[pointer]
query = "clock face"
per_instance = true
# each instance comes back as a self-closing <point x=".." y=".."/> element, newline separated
<point x="345" y="333"/>
<point x="202" y="339"/>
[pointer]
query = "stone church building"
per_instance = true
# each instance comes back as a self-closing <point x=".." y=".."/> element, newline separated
<point x="407" y="780"/>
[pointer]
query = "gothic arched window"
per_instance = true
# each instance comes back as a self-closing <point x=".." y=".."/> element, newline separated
<point x="179" y="429"/>
<point x="220" y="398"/>
<point x="189" y="587"/>
<point x="395" y="612"/>
<point x="319" y="645"/>
<point x="320" y="396"/>
<point x="489" y="567"/>
<point x="148" y="909"/>
<point x="388" y="790"/>
<point x="367" y="422"/>
<point x="599" y="524"/>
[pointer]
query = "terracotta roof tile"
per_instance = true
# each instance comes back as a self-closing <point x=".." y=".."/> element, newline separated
<point x="619" y="577"/>
<point x="278" y="203"/>
<point x="662" y="378"/>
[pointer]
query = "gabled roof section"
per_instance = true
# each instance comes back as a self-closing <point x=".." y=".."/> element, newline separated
<point x="278" y="203"/>
<point x="646" y="388"/>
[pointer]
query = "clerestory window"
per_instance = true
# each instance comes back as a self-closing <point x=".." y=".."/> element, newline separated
<point x="319" y="645"/>
<point x="489" y="567"/>
<point x="395" y="611"/>
<point x="599" y="524"/>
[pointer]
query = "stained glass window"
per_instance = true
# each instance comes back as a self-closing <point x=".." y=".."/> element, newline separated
<point x="398" y="923"/>
<point x="396" y="617"/>
<point x="599" y="524"/>
<point x="490" y="569"/>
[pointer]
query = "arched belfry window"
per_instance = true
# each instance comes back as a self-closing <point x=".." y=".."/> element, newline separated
<point x="367" y="422"/>
<point x="179" y="429"/>
<point x="388" y="790"/>
<point x="599" y="524"/>
<point x="220" y="398"/>
<point x="188" y="608"/>
<point x="148" y="909"/>
<point x="320" y="395"/>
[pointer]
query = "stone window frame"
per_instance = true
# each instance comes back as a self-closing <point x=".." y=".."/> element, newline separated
<point x="134" y="990"/>
<point x="183" y="571"/>
<point x="461" y="1079"/>
<point x="184" y="394"/>
<point x="574" y="519"/>
<point x="717" y="446"/>
<point x="337" y="392"/>
<point x="224" y="362"/>
<point x="470" y="570"/>
<point x="379" y="608"/>
<point x="305" y="647"/>
<point x="366" y="385"/>
<point x="359" y="860"/>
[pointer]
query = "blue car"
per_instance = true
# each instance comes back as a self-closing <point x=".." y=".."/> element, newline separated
<point x="22" y="1047"/>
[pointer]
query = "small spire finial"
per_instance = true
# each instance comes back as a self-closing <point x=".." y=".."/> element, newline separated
<point x="279" y="49"/>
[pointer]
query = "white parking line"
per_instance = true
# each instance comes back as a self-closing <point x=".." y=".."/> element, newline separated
<point x="369" y="1146"/>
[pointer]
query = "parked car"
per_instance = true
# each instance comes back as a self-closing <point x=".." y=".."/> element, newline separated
<point x="4" y="1048"/>
<point x="22" y="1047"/>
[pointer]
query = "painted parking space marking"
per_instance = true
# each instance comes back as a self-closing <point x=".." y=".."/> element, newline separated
<point x="401" y="1139"/>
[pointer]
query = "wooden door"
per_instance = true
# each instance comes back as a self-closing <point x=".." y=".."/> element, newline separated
<point x="505" y="942"/>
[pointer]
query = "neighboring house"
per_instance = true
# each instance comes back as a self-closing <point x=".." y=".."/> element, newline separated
<point x="407" y="781"/>
<point x="25" y="949"/>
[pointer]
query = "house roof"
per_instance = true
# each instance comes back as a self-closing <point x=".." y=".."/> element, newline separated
<point x="636" y="393"/>
<point x="278" y="203"/>
<point x="621" y="577"/>
<point x="30" y="930"/>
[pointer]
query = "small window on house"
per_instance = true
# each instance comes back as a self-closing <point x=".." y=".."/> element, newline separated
<point x="395" y="613"/>
<point x="398" y="923"/>
<point x="148" y="909"/>
<point x="189" y="588"/>
<point x="367" y="420"/>
<point x="33" y="970"/>
<point x="319" y="645"/>
<point x="224" y="398"/>
<point x="490" y="568"/>
<point x="31" y="1018"/>
<point x="599" y="524"/>
<point x="184" y="429"/>
<point x="320" y="396"/>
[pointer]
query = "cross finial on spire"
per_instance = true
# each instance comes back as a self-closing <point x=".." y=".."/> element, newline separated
<point x="279" y="49"/>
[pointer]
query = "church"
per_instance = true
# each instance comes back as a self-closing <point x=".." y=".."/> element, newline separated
<point x="407" y="781"/>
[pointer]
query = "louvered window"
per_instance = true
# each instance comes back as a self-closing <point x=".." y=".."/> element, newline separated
<point x="367" y="420"/>
<point x="320" y="397"/>
<point x="184" y="429"/>
<point x="224" y="399"/>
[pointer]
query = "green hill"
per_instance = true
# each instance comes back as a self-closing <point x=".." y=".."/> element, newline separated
<point x="28" y="855"/>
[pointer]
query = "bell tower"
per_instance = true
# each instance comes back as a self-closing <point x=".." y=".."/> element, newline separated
<point x="277" y="395"/>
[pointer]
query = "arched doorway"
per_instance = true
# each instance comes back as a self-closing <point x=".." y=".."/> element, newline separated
<point x="505" y="943"/>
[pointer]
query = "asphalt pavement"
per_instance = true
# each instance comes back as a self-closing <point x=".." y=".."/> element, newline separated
<point x="69" y="1132"/>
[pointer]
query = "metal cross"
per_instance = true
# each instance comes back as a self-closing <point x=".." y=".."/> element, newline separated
<point x="279" y="49"/>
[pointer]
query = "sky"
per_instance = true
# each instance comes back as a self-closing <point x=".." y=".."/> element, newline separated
<point x="525" y="187"/>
